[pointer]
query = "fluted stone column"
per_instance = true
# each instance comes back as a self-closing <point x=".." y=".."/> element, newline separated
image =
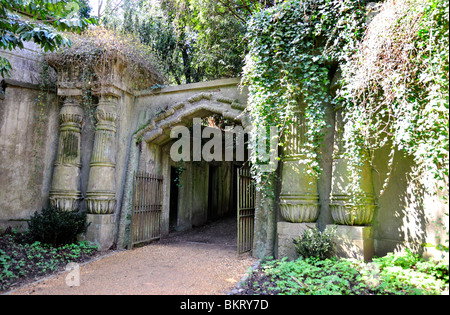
<point x="65" y="191"/>
<point x="299" y="198"/>
<point x="101" y="191"/>
<point x="343" y="208"/>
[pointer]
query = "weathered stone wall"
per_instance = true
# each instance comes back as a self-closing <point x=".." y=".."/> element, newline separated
<point x="28" y="151"/>
<point x="27" y="144"/>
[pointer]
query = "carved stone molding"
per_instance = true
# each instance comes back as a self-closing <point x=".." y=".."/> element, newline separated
<point x="300" y="208"/>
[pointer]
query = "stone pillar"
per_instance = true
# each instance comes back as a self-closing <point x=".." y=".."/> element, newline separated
<point x="101" y="191"/>
<point x="286" y="233"/>
<point x="343" y="208"/>
<point x="65" y="191"/>
<point x="353" y="242"/>
<point x="299" y="198"/>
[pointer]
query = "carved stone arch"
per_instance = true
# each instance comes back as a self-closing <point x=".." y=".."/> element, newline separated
<point x="200" y="105"/>
<point x="157" y="132"/>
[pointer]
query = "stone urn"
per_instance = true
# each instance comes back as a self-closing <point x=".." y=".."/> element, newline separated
<point x="346" y="212"/>
<point x="302" y="209"/>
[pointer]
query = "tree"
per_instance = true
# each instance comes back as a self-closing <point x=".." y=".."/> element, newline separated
<point x="196" y="40"/>
<point x="39" y="21"/>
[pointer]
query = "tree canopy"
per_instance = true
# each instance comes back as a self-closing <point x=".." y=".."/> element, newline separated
<point x="39" y="21"/>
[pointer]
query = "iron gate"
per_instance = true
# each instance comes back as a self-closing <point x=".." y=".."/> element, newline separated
<point x="245" y="210"/>
<point x="147" y="207"/>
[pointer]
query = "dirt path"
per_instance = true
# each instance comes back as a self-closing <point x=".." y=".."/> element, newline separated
<point x="201" y="261"/>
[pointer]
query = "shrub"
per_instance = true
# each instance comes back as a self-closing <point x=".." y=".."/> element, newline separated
<point x="313" y="243"/>
<point x="57" y="227"/>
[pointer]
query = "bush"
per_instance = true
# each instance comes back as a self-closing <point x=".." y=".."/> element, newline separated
<point x="313" y="243"/>
<point x="57" y="227"/>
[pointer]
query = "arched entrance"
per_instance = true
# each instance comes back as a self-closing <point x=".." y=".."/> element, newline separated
<point x="193" y="190"/>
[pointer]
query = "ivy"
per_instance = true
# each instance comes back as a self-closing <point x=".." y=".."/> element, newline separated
<point x="395" y="90"/>
<point x="293" y="52"/>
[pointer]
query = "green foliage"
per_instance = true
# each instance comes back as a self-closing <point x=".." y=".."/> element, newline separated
<point x="314" y="243"/>
<point x="57" y="227"/>
<point x="409" y="260"/>
<point x="293" y="50"/>
<point x="386" y="276"/>
<point x="38" y="21"/>
<point x="195" y="40"/>
<point x="21" y="259"/>
<point x="395" y="91"/>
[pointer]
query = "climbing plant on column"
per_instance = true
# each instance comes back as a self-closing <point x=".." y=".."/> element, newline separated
<point x="395" y="90"/>
<point x="293" y="51"/>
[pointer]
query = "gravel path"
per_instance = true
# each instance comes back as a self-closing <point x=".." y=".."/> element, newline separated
<point x="200" y="261"/>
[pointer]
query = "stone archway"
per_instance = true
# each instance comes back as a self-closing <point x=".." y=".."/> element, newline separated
<point x="156" y="134"/>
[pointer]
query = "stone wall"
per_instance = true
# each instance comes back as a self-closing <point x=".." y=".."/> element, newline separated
<point x="28" y="138"/>
<point x="29" y="151"/>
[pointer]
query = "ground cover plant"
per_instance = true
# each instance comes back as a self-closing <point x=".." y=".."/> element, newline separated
<point x="23" y="260"/>
<point x="47" y="246"/>
<point x="394" y="274"/>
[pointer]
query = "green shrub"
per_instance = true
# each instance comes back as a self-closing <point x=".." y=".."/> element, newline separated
<point x="57" y="227"/>
<point x="313" y="243"/>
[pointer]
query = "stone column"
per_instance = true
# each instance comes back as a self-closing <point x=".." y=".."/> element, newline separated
<point x="299" y="198"/>
<point x="101" y="191"/>
<point x="343" y="208"/>
<point x="65" y="191"/>
<point x="353" y="213"/>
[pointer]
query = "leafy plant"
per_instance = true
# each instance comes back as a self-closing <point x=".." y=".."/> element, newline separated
<point x="395" y="91"/>
<point x="57" y="227"/>
<point x="44" y="18"/>
<point x="293" y="51"/>
<point x="22" y="259"/>
<point x="314" y="243"/>
<point x="312" y="276"/>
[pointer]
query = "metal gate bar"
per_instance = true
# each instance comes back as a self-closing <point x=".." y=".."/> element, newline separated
<point x="147" y="207"/>
<point x="246" y="210"/>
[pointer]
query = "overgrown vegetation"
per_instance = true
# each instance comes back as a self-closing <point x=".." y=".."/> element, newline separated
<point x="395" y="91"/>
<point x="395" y="274"/>
<point x="394" y="87"/>
<point x="94" y="51"/>
<point x="294" y="51"/>
<point x="23" y="260"/>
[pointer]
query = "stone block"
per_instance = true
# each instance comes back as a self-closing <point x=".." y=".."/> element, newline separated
<point x="287" y="232"/>
<point x="354" y="242"/>
<point x="101" y="230"/>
